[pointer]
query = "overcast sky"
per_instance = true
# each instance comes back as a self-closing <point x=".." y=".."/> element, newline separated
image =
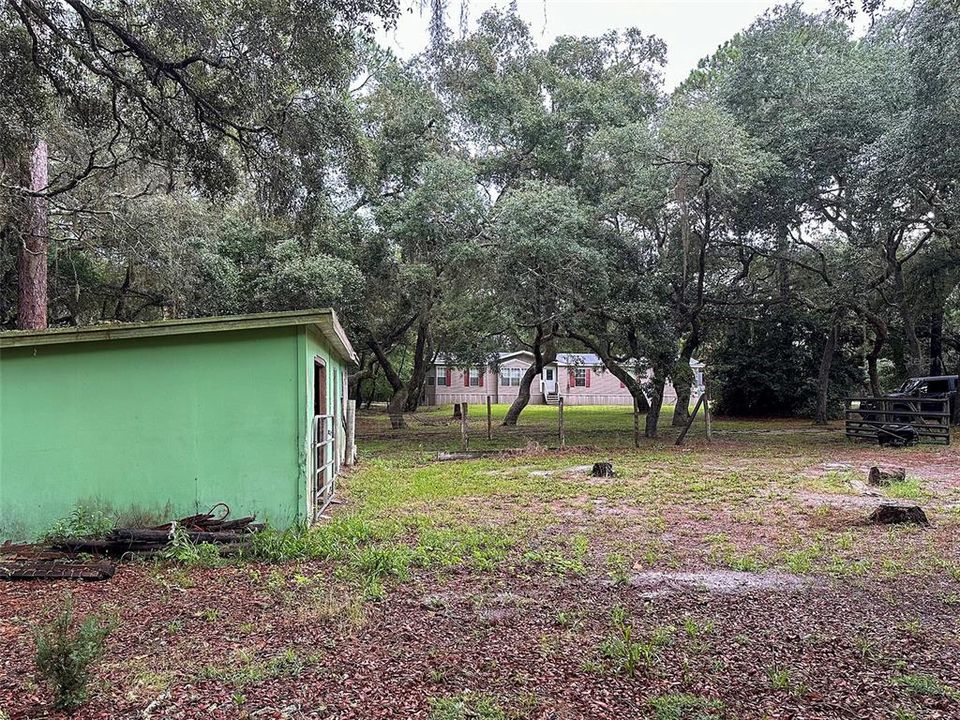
<point x="692" y="29"/>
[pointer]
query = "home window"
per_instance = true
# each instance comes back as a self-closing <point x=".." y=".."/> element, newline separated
<point x="441" y="376"/>
<point x="474" y="377"/>
<point x="580" y="377"/>
<point x="510" y="376"/>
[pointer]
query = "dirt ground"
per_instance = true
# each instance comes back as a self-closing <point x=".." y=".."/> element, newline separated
<point x="738" y="579"/>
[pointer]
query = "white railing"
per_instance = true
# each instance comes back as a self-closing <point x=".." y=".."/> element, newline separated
<point x="324" y="480"/>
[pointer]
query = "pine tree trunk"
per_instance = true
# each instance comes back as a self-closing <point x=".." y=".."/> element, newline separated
<point x="32" y="257"/>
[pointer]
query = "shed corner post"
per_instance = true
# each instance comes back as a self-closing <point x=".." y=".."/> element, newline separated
<point x="350" y="446"/>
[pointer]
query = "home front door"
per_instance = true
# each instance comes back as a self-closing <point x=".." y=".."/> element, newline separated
<point x="549" y="380"/>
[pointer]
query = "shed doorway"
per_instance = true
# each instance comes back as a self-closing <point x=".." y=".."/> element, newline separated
<point x="323" y="441"/>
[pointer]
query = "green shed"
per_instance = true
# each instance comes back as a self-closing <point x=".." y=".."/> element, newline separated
<point x="166" y="419"/>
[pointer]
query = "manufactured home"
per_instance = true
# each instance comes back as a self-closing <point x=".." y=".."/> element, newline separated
<point x="579" y="378"/>
<point x="165" y="419"/>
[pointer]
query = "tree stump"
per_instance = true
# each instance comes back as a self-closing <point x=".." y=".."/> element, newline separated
<point x="886" y="476"/>
<point x="890" y="514"/>
<point x="602" y="469"/>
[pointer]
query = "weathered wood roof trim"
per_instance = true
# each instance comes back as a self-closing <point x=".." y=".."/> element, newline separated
<point x="324" y="320"/>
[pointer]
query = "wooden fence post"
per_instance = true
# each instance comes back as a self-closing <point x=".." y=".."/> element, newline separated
<point x="563" y="440"/>
<point x="464" y="440"/>
<point x="693" y="416"/>
<point x="489" y="419"/>
<point x="350" y="441"/>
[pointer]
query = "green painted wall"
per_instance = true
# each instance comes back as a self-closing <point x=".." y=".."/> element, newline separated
<point x="311" y="347"/>
<point x="167" y="425"/>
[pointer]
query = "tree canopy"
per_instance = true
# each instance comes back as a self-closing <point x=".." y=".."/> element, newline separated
<point x="789" y="214"/>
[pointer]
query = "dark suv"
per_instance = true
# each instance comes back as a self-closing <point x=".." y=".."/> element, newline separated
<point x="934" y="387"/>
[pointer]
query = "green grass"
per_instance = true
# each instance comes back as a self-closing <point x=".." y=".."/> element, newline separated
<point x="922" y="684"/>
<point x="626" y="651"/>
<point x="683" y="706"/>
<point x="909" y="489"/>
<point x="401" y="494"/>
<point x="246" y="670"/>
<point x="567" y="559"/>
<point x="611" y="426"/>
<point x="466" y="706"/>
<point x="782" y="680"/>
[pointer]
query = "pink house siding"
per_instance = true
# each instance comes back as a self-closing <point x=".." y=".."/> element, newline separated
<point x="458" y="390"/>
<point x="605" y="388"/>
<point x="448" y="385"/>
<point x="508" y="393"/>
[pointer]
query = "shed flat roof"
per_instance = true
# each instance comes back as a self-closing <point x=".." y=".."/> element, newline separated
<point x="324" y="320"/>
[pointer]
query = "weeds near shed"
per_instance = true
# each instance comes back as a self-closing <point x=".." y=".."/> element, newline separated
<point x="65" y="657"/>
<point x="333" y="540"/>
<point x="182" y="549"/>
<point x="83" y="522"/>
<point x="373" y="564"/>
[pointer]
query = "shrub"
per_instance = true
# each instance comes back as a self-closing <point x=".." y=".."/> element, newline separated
<point x="65" y="657"/>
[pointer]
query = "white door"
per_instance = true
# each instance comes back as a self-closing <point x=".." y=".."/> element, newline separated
<point x="549" y="380"/>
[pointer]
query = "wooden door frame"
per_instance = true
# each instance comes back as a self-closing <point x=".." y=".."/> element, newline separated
<point x="320" y="364"/>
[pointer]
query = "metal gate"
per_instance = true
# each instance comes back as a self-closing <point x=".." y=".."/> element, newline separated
<point x="870" y="418"/>
<point x="324" y="475"/>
